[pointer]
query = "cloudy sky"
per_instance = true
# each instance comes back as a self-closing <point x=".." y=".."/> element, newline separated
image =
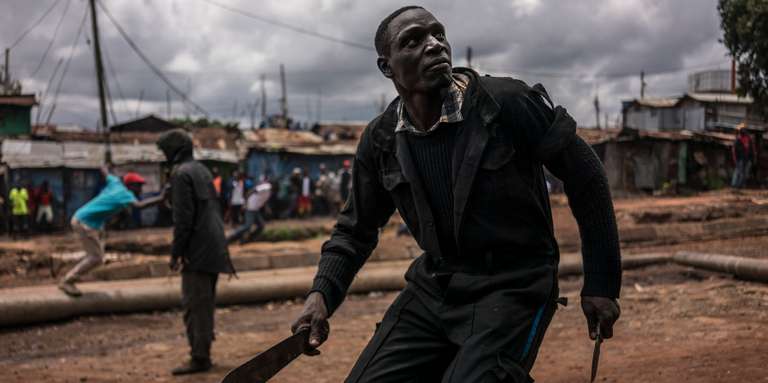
<point x="576" y="49"/>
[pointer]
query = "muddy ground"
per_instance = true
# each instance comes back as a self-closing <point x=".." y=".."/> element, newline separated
<point x="677" y="325"/>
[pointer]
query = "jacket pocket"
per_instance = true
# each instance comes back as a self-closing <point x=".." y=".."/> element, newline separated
<point x="390" y="179"/>
<point x="496" y="155"/>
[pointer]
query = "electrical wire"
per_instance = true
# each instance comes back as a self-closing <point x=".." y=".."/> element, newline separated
<point x="47" y="88"/>
<point x="66" y="66"/>
<point x="146" y="60"/>
<point x="50" y="43"/>
<point x="111" y="69"/>
<point x="34" y="25"/>
<point x="290" y="27"/>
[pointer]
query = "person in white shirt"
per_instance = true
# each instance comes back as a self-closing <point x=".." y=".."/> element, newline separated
<point x="256" y="198"/>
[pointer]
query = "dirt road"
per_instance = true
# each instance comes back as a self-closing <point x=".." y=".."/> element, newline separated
<point x="677" y="325"/>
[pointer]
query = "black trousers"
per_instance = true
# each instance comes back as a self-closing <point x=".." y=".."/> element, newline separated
<point x="198" y="299"/>
<point x="420" y="339"/>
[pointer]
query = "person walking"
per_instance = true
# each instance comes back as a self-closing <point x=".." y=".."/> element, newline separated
<point x="89" y="221"/>
<point x="743" y="154"/>
<point x="461" y="157"/>
<point x="199" y="246"/>
<point x="257" y="197"/>
<point x="237" y="198"/>
<point x="345" y="181"/>
<point x="304" y="208"/>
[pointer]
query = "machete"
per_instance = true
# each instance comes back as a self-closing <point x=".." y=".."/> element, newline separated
<point x="264" y="366"/>
<point x="596" y="355"/>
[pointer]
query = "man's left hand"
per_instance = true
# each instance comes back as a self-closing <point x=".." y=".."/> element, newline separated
<point x="600" y="312"/>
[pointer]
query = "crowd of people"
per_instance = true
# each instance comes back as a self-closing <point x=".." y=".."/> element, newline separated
<point x="294" y="195"/>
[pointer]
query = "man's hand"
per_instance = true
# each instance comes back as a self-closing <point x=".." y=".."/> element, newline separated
<point x="602" y="312"/>
<point x="174" y="265"/>
<point x="315" y="317"/>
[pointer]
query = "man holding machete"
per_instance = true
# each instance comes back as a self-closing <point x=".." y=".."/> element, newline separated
<point x="460" y="157"/>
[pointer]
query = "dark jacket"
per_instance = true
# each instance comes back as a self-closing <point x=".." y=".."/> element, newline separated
<point x="502" y="217"/>
<point x="198" y="235"/>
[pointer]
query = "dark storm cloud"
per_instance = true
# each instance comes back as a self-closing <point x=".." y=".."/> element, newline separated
<point x="218" y="56"/>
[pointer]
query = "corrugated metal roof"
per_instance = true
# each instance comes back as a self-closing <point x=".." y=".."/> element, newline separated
<point x="89" y="155"/>
<point x="720" y="97"/>
<point x="666" y="102"/>
<point x="83" y="155"/>
<point x="31" y="154"/>
<point x="203" y="154"/>
<point x="127" y="153"/>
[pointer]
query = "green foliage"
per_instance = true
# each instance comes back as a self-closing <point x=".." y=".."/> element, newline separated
<point x="745" y="34"/>
<point x="203" y="123"/>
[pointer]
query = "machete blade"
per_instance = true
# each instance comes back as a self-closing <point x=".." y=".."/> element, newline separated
<point x="265" y="365"/>
<point x="596" y="355"/>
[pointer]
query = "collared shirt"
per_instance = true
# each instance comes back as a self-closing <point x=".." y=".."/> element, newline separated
<point x="451" y="110"/>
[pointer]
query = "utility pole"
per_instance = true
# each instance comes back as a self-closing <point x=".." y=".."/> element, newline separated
<point x="733" y="75"/>
<point x="100" y="80"/>
<point x="168" y="104"/>
<point x="597" y="110"/>
<point x="642" y="85"/>
<point x="284" y="98"/>
<point x="263" y="101"/>
<point x="252" y="110"/>
<point x="469" y="57"/>
<point x="7" y="68"/>
<point x="383" y="103"/>
<point x="138" y="105"/>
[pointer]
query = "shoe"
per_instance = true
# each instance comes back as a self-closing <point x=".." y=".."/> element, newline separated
<point x="193" y="366"/>
<point x="70" y="289"/>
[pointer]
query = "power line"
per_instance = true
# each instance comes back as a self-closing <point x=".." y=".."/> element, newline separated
<point x="616" y="75"/>
<point x="53" y="39"/>
<point x="66" y="66"/>
<point x="47" y="88"/>
<point x="146" y="60"/>
<point x="290" y="27"/>
<point x="111" y="69"/>
<point x="34" y="25"/>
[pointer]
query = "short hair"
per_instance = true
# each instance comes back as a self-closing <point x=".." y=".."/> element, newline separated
<point x="381" y="41"/>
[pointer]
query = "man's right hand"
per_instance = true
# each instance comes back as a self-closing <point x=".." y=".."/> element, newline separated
<point x="315" y="317"/>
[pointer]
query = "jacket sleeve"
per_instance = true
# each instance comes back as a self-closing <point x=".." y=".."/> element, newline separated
<point x="551" y="134"/>
<point x="356" y="233"/>
<point x="183" y="213"/>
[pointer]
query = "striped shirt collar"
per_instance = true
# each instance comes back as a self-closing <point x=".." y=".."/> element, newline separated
<point x="451" y="110"/>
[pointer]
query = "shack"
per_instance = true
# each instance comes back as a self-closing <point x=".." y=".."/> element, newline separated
<point x="646" y="161"/>
<point x="15" y="114"/>
<point x="276" y="152"/>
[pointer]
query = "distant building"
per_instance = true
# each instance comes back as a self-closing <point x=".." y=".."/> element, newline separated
<point x="709" y="105"/>
<point x="15" y="114"/>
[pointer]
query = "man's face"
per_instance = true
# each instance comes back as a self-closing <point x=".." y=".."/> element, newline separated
<point x="419" y="58"/>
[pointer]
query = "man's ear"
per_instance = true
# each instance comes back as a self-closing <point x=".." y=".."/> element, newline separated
<point x="383" y="64"/>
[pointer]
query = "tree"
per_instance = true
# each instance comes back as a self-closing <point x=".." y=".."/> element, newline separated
<point x="745" y="34"/>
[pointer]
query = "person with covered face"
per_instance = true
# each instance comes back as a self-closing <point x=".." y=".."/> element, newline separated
<point x="199" y="246"/>
<point x="461" y="157"/>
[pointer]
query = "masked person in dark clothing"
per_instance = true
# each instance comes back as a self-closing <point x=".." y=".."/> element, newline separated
<point x="461" y="158"/>
<point x="199" y="245"/>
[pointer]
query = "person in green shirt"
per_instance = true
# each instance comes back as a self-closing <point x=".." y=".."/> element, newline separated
<point x="19" y="198"/>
